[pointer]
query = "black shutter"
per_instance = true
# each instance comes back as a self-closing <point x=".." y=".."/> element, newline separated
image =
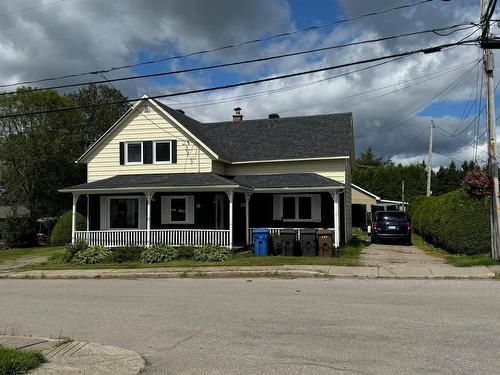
<point x="147" y="149"/>
<point x="174" y="151"/>
<point x="122" y="153"/>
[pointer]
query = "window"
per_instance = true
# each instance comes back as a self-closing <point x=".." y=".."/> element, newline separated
<point x="123" y="213"/>
<point x="303" y="207"/>
<point x="146" y="109"/>
<point x="133" y="153"/>
<point x="162" y="152"/>
<point x="177" y="209"/>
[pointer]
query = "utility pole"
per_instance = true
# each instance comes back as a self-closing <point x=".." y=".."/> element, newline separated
<point x="403" y="195"/>
<point x="429" y="161"/>
<point x="486" y="12"/>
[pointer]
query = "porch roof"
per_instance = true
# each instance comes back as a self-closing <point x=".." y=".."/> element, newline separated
<point x="205" y="182"/>
<point x="156" y="182"/>
<point x="287" y="181"/>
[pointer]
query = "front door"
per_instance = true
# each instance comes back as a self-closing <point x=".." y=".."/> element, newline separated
<point x="219" y="211"/>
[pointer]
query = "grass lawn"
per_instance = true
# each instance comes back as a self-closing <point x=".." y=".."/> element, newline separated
<point x="457" y="260"/>
<point x="14" y="362"/>
<point x="49" y="252"/>
<point x="349" y="256"/>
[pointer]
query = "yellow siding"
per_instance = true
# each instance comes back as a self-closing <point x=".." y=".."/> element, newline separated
<point x="334" y="169"/>
<point x="146" y="127"/>
<point x="358" y="197"/>
<point x="218" y="167"/>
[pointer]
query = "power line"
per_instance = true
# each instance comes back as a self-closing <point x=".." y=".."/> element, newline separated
<point x="422" y="79"/>
<point x="32" y="8"/>
<point x="428" y="50"/>
<point x="415" y="111"/>
<point x="242" y="62"/>
<point x="226" y="47"/>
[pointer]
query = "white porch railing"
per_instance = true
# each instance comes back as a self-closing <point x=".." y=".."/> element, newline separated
<point x="138" y="237"/>
<point x="277" y="231"/>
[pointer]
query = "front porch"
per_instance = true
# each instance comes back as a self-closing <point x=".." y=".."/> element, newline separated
<point x="220" y="211"/>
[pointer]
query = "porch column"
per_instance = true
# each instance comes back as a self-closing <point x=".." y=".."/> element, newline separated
<point x="149" y="197"/>
<point x="88" y="212"/>
<point x="230" y="195"/>
<point x="336" y="217"/>
<point x="73" y="218"/>
<point x="247" y="217"/>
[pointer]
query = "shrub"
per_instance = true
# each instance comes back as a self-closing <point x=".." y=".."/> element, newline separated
<point x="92" y="255"/>
<point x="18" y="231"/>
<point x="127" y="253"/>
<point x="276" y="244"/>
<point x="185" y="252"/>
<point x="454" y="221"/>
<point x="210" y="253"/>
<point x="477" y="183"/>
<point x="158" y="254"/>
<point x="71" y="250"/>
<point x="61" y="234"/>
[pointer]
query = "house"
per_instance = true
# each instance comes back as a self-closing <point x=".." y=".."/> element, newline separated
<point x="159" y="176"/>
<point x="365" y="202"/>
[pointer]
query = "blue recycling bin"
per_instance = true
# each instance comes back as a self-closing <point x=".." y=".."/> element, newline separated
<point x="261" y="241"/>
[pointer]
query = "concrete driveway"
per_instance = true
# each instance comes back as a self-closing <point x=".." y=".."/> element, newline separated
<point x="393" y="254"/>
<point x="399" y="261"/>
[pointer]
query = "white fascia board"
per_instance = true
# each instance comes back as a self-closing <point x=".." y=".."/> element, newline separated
<point x="157" y="189"/>
<point x="124" y="117"/>
<point x="280" y="160"/>
<point x="394" y="202"/>
<point x="297" y="189"/>
<point x="191" y="135"/>
<point x="365" y="191"/>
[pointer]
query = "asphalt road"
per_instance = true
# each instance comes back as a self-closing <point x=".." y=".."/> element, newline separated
<point x="267" y="326"/>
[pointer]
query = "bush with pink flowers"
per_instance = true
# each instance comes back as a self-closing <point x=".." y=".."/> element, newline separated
<point x="477" y="183"/>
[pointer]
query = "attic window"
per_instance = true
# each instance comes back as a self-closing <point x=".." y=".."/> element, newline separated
<point x="146" y="109"/>
<point x="133" y="153"/>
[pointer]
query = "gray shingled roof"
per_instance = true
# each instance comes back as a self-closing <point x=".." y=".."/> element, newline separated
<point x="274" y="139"/>
<point x="180" y="180"/>
<point x="295" y="180"/>
<point x="157" y="180"/>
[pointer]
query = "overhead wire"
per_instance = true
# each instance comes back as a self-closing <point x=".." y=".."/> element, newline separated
<point x="240" y="62"/>
<point x="434" y="49"/>
<point x="221" y="48"/>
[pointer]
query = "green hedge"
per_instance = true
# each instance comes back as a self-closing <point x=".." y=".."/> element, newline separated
<point x="454" y="221"/>
<point x="61" y="234"/>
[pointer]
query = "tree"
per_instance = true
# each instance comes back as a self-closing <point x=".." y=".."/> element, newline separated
<point x="97" y="120"/>
<point x="37" y="152"/>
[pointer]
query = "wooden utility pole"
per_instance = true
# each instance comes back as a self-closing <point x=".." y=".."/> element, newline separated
<point x="489" y="65"/>
<point x="403" y="195"/>
<point x="429" y="161"/>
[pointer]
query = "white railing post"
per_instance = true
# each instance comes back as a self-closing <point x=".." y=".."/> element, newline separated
<point x="336" y="217"/>
<point x="247" y="216"/>
<point x="149" y="197"/>
<point x="230" y="195"/>
<point x="73" y="218"/>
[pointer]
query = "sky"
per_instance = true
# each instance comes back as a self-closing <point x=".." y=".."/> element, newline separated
<point x="392" y="103"/>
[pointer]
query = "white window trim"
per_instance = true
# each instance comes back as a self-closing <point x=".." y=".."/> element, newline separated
<point x="166" y="212"/>
<point x="106" y="211"/>
<point x="126" y="153"/>
<point x="154" y="153"/>
<point x="297" y="218"/>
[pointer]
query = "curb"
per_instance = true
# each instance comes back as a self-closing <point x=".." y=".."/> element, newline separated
<point x="78" y="357"/>
<point x="284" y="272"/>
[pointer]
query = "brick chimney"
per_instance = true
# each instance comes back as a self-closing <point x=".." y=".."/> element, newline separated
<point x="237" y="117"/>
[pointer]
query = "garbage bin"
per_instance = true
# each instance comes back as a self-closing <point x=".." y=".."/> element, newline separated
<point x="287" y="239"/>
<point x="308" y="242"/>
<point x="261" y="241"/>
<point x="325" y="242"/>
